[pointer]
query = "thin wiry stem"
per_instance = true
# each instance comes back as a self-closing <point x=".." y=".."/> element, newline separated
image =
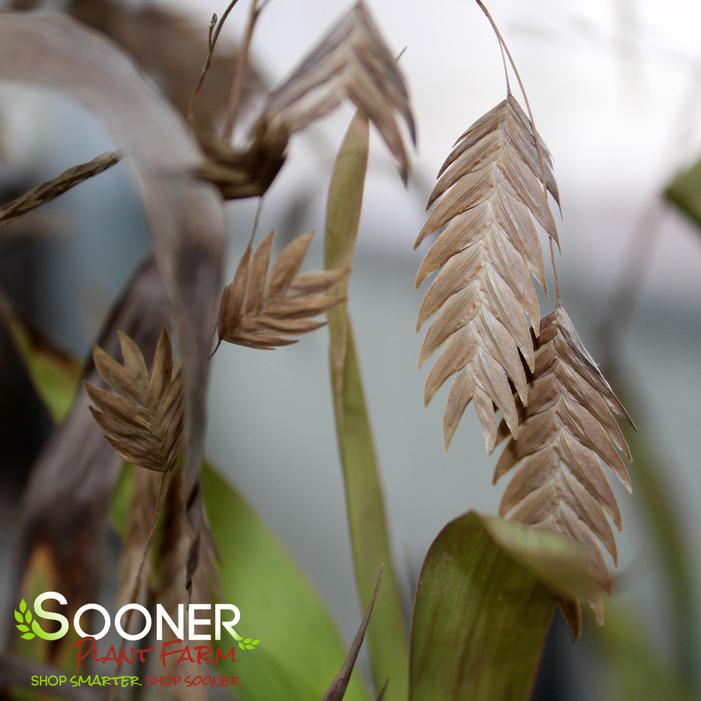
<point x="556" y="276"/>
<point x="215" y="27"/>
<point x="241" y="70"/>
<point x="163" y="484"/>
<point x="136" y="587"/>
<point x="641" y="249"/>
<point x="506" y="69"/>
<point x="646" y="235"/>
<point x="256" y="220"/>
<point x="539" y="151"/>
<point x="254" y="229"/>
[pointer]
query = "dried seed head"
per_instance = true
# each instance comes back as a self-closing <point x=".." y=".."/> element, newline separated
<point x="141" y="413"/>
<point x="352" y="62"/>
<point x="266" y="307"/>
<point x="489" y="195"/>
<point x="568" y="428"/>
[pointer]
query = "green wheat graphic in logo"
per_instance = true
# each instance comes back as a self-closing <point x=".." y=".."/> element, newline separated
<point x="24" y="618"/>
<point x="245" y="643"/>
<point x="27" y="625"/>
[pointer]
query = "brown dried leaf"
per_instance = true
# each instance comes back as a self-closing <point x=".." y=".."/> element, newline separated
<point x="265" y="307"/>
<point x="144" y="504"/>
<point x="567" y="430"/>
<point x="489" y="195"/>
<point x="142" y="416"/>
<point x="172" y="557"/>
<point x="173" y="553"/>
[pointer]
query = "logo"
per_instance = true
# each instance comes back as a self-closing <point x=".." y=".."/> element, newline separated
<point x="26" y="625"/>
<point x="182" y="643"/>
<point x="200" y="622"/>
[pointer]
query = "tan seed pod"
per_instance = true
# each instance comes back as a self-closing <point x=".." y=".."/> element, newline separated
<point x="352" y="62"/>
<point x="568" y="429"/>
<point x="486" y="203"/>
<point x="141" y="412"/>
<point x="50" y="190"/>
<point x="267" y="306"/>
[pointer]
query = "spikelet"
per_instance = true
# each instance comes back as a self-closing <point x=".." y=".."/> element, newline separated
<point x="568" y="428"/>
<point x="141" y="413"/>
<point x="489" y="196"/>
<point x="51" y="189"/>
<point x="352" y="62"/>
<point x="266" y="307"/>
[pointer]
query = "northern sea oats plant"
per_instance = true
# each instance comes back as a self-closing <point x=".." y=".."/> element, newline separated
<point x="559" y="412"/>
<point x="133" y="441"/>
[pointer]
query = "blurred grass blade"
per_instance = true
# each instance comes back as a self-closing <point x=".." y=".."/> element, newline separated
<point x="634" y="669"/>
<point x="337" y="690"/>
<point x="663" y="520"/>
<point x="684" y="192"/>
<point x="54" y="374"/>
<point x="661" y="514"/>
<point x="168" y="45"/>
<point x="482" y="609"/>
<point x="300" y="648"/>
<point x="343" y="209"/>
<point x="185" y="218"/>
<point x="664" y="523"/>
<point x="67" y="498"/>
<point x="383" y="691"/>
<point x="387" y="639"/>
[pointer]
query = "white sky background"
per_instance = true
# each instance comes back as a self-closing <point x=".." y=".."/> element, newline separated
<point x="607" y="80"/>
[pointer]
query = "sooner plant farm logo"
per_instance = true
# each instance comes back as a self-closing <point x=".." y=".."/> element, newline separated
<point x="194" y="635"/>
<point x="184" y="626"/>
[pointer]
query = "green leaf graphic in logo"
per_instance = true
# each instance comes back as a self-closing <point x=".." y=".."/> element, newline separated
<point x="23" y="619"/>
<point x="246" y="643"/>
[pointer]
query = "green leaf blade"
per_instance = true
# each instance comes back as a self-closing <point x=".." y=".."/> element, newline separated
<point x="480" y="620"/>
<point x="386" y="635"/>
<point x="635" y="669"/>
<point x="684" y="192"/>
<point x="303" y="648"/>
